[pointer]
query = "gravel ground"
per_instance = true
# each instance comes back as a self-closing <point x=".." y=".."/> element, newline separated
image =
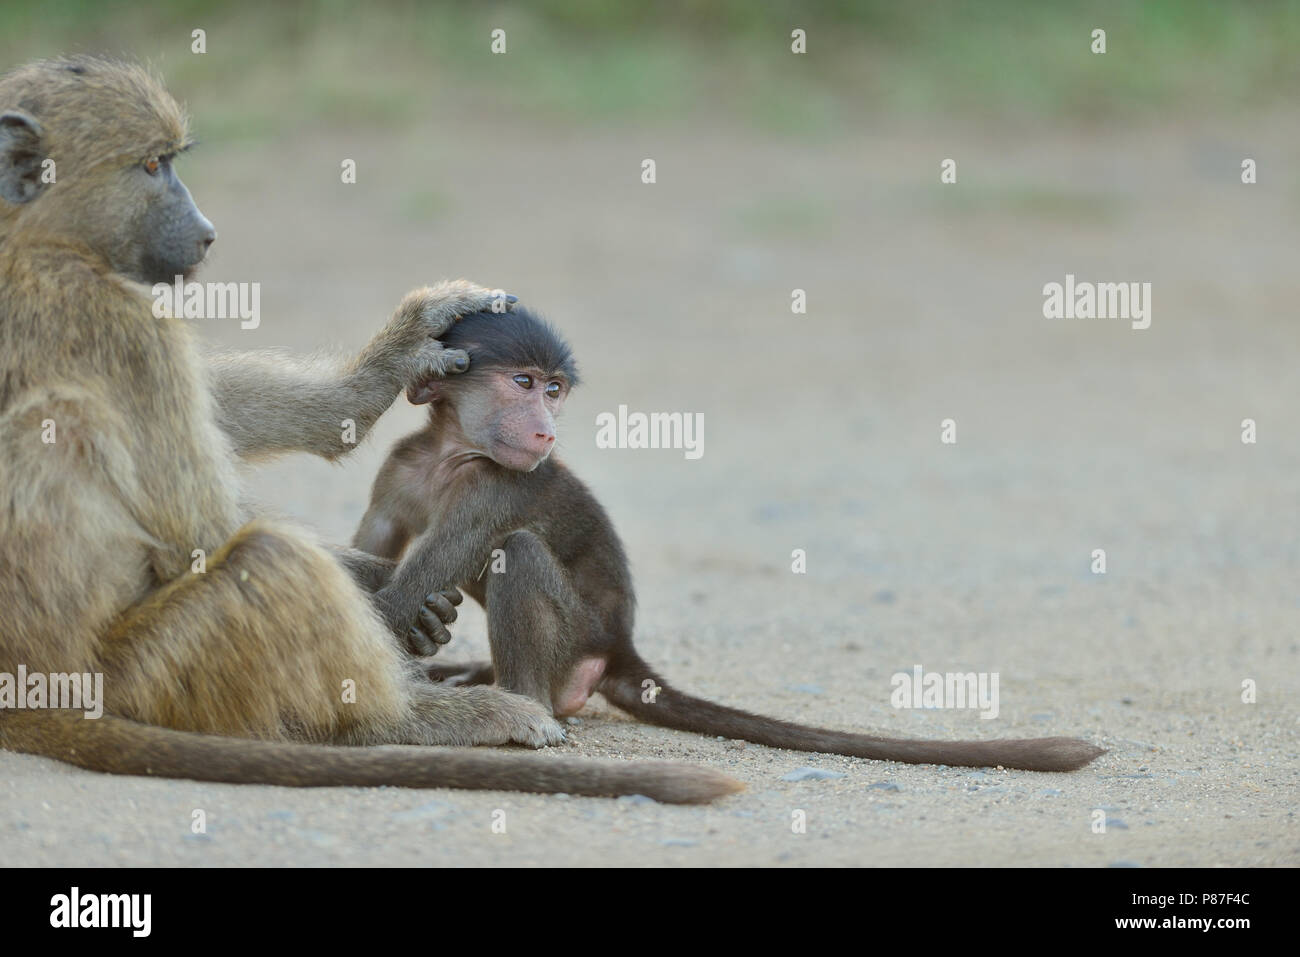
<point x="822" y="433"/>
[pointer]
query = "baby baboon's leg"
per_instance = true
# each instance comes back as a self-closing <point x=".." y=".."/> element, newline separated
<point x="274" y="640"/>
<point x="535" y="619"/>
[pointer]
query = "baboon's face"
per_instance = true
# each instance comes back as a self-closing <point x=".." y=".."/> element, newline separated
<point x="169" y="236"/>
<point x="511" y="417"/>
<point x="86" y="152"/>
<point x="505" y="406"/>
<point x="507" y="414"/>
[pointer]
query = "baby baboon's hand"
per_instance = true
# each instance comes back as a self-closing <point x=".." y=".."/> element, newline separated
<point x="424" y="629"/>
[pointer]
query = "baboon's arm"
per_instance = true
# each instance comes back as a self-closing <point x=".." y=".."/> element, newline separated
<point x="448" y="555"/>
<point x="370" y="572"/>
<point x="269" y="403"/>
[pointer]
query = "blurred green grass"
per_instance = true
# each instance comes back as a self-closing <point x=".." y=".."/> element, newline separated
<point x="275" y="65"/>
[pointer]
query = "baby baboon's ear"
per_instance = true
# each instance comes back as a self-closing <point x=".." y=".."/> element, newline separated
<point x="20" y="158"/>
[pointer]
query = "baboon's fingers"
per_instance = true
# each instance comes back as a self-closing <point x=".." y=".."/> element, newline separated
<point x="498" y="301"/>
<point x="442" y="606"/>
<point x="420" y="644"/>
<point x="427" y="624"/>
<point x="433" y="363"/>
<point x="445" y="362"/>
<point x="452" y="595"/>
<point x="447" y="301"/>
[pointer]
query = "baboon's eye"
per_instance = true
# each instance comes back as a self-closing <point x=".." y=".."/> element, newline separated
<point x="526" y="381"/>
<point x="553" y="389"/>
<point x="152" y="165"/>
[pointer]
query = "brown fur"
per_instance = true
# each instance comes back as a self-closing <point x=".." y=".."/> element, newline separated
<point x="97" y="529"/>
<point x="560" y="614"/>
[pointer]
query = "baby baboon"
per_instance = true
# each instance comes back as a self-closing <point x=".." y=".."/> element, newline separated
<point x="480" y="477"/>
<point x="117" y="469"/>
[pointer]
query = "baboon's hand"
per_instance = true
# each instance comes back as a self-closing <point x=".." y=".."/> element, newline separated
<point x="426" y="313"/>
<point x="432" y="310"/>
<point x="425" y="629"/>
<point x="431" y="362"/>
<point x="513" y="719"/>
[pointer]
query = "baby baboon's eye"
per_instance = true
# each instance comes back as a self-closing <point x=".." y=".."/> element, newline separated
<point x="524" y="380"/>
<point x="152" y="165"/>
<point x="553" y="389"/>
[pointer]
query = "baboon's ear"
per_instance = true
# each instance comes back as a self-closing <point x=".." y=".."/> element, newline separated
<point x="20" y="158"/>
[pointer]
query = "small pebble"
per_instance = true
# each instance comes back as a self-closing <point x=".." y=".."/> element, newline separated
<point x="636" y="799"/>
<point x="811" y="774"/>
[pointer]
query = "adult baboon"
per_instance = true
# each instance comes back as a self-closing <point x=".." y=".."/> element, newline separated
<point x="117" y="463"/>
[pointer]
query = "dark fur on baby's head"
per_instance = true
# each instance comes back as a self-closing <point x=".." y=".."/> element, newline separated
<point x="516" y="339"/>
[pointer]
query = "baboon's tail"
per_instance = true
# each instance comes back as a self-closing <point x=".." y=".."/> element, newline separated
<point x="120" y="746"/>
<point x="673" y="709"/>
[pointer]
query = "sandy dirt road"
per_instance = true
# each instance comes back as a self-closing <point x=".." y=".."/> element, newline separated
<point x="822" y="433"/>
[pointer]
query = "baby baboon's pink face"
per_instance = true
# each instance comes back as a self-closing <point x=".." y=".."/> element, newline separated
<point x="507" y="414"/>
<point x="522" y="433"/>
